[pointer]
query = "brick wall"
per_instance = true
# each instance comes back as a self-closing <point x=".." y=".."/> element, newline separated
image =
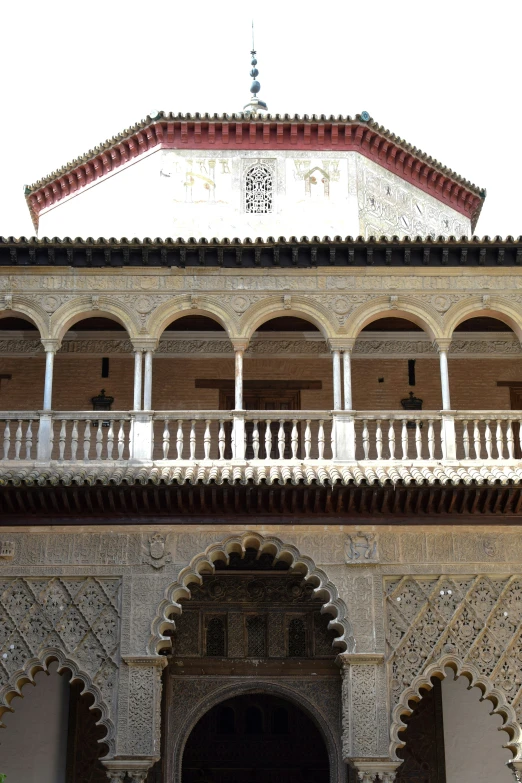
<point x="76" y="380"/>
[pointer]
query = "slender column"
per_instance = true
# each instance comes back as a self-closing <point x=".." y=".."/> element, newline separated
<point x="239" y="379"/>
<point x="138" y="364"/>
<point x="48" y="385"/>
<point x="442" y="346"/>
<point x="147" y="382"/>
<point x="347" y="378"/>
<point x="336" y="356"/>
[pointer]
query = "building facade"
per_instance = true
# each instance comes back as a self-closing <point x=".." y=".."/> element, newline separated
<point x="259" y="497"/>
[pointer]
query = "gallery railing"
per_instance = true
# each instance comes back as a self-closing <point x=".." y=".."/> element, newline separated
<point x="268" y="436"/>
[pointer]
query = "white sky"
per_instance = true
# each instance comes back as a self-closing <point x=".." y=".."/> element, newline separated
<point x="443" y="75"/>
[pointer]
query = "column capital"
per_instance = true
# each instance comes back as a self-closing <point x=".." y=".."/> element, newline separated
<point x="369" y="771"/>
<point x="145" y="660"/>
<point x="145" y="343"/>
<point x="51" y="344"/>
<point x="341" y="343"/>
<point x="353" y="659"/>
<point x="118" y="769"/>
<point x="239" y="343"/>
<point x="516" y="769"/>
<point x="442" y="343"/>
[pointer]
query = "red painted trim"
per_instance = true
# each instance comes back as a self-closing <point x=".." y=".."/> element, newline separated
<point x="245" y="135"/>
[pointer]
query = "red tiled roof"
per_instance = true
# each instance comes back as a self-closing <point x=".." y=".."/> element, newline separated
<point x="241" y="131"/>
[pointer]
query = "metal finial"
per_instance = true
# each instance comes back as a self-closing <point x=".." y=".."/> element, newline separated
<point x="255" y="105"/>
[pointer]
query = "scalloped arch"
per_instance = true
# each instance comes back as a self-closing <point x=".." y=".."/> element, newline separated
<point x="30" y="310"/>
<point x="425" y="317"/>
<point x="474" y="306"/>
<point x="204" y="563"/>
<point x="476" y="679"/>
<point x="299" y="306"/>
<point x="71" y="312"/>
<point x="170" y="311"/>
<point x="22" y="677"/>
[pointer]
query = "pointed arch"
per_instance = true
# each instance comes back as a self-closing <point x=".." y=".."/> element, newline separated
<point x="425" y="317"/>
<point x="204" y="563"/>
<point x="82" y="307"/>
<point x="474" y="307"/>
<point x="21" y="677"/>
<point x="170" y="311"/>
<point x="476" y="679"/>
<point x="299" y="306"/>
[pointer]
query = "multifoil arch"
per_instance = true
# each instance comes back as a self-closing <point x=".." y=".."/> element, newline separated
<point x="476" y="679"/>
<point x="204" y="563"/>
<point x="33" y="665"/>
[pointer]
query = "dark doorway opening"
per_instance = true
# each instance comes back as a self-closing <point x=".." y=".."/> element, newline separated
<point x="256" y="738"/>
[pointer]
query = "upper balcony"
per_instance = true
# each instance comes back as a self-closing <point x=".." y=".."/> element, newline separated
<point x="309" y="421"/>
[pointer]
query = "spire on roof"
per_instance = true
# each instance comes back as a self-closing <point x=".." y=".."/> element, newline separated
<point x="254" y="106"/>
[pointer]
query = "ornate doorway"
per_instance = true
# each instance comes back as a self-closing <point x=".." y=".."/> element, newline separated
<point x="255" y="738"/>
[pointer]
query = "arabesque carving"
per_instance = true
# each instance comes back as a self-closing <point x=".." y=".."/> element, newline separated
<point x="470" y="624"/>
<point x="72" y="620"/>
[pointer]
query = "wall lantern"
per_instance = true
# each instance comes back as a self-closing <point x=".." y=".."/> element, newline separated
<point x="102" y="403"/>
<point x="412" y="403"/>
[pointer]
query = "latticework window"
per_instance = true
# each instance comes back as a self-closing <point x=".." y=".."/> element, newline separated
<point x="296" y="638"/>
<point x="256" y="633"/>
<point x="216" y="637"/>
<point x="259" y="189"/>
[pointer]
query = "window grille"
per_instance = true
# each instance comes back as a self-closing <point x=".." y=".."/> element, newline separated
<point x="296" y="638"/>
<point x="259" y="190"/>
<point x="216" y="637"/>
<point x="256" y="632"/>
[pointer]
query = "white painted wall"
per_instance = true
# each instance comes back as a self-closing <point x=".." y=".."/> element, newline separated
<point x="473" y="746"/>
<point x="33" y="746"/>
<point x="200" y="193"/>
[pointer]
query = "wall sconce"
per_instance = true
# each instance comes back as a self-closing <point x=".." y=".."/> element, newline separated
<point x="102" y="403"/>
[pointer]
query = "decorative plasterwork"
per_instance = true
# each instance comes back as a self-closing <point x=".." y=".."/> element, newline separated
<point x="471" y="624"/>
<point x="369" y="345"/>
<point x="69" y="619"/>
<point x="204" y="562"/>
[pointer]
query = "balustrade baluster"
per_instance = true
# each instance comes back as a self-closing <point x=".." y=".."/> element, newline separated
<point x="281" y="439"/>
<point x="255" y="439"/>
<point x="268" y="439"/>
<point x="74" y="440"/>
<point x="166" y="439"/>
<point x="477" y="440"/>
<point x="431" y="439"/>
<point x="489" y="440"/>
<point x="418" y="438"/>
<point x="465" y="439"/>
<point x="87" y="440"/>
<point x="121" y="439"/>
<point x="510" y="439"/>
<point x="308" y="439"/>
<point x="206" y="439"/>
<point x="320" y="439"/>
<point x="391" y="439"/>
<point x="99" y="440"/>
<point x="63" y="436"/>
<point x="179" y="440"/>
<point x="378" y="438"/>
<point x="29" y="439"/>
<point x="500" y="439"/>
<point x="110" y="439"/>
<point x="7" y="439"/>
<point x="405" y="441"/>
<point x="192" y="440"/>
<point x="18" y="439"/>
<point x="294" y="439"/>
<point x="366" y="439"/>
<point x="221" y="439"/>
